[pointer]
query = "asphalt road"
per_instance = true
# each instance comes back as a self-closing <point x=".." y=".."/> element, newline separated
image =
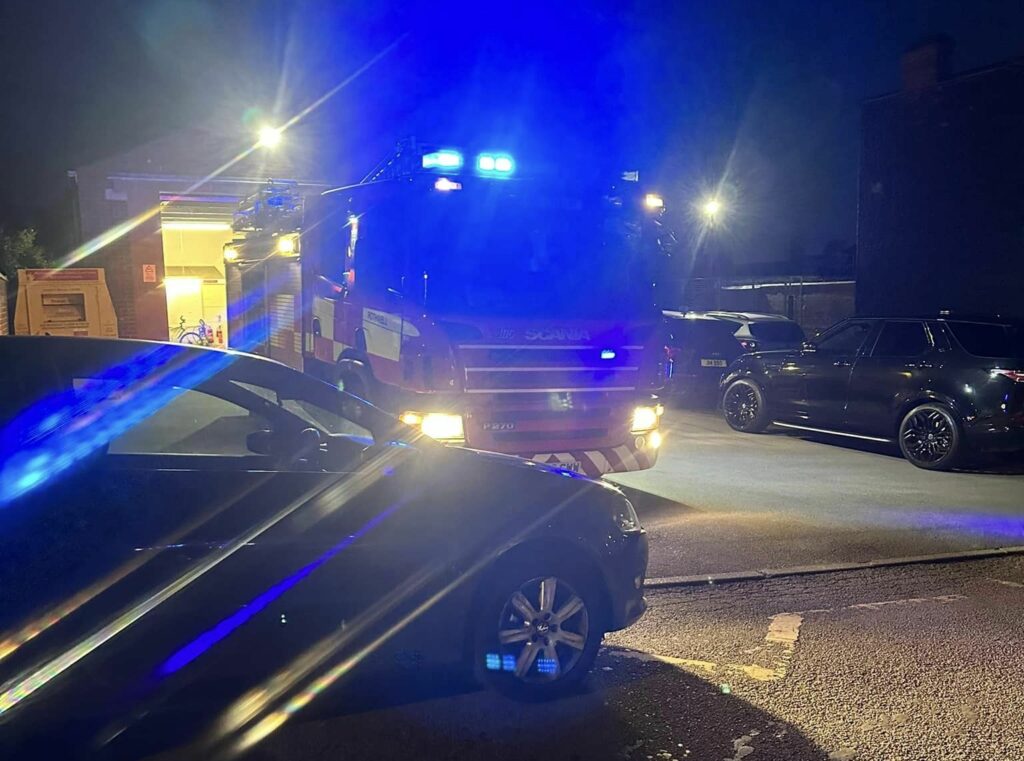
<point x="721" y="501"/>
<point x="918" y="662"/>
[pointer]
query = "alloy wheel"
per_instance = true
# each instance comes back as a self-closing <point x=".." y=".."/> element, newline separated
<point x="542" y="631"/>
<point x="928" y="435"/>
<point x="741" y="405"/>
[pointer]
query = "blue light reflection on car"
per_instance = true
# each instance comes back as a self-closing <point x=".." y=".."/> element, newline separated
<point x="60" y="430"/>
<point x="212" y="636"/>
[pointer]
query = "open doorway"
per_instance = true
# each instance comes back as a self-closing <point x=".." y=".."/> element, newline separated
<point x="194" y="232"/>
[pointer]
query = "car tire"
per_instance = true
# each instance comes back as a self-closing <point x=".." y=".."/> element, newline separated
<point x="544" y="609"/>
<point x="744" y="406"/>
<point x="931" y="437"/>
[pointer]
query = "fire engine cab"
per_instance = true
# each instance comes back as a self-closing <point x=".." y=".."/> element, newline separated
<point x="484" y="305"/>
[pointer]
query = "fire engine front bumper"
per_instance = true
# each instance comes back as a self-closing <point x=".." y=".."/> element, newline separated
<point x="639" y="453"/>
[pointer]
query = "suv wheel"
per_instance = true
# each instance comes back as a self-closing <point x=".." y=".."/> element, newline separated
<point x="536" y="635"/>
<point x="744" y="407"/>
<point x="930" y="437"/>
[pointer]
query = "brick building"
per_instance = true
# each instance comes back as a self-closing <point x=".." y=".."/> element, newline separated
<point x="941" y="211"/>
<point x="170" y="266"/>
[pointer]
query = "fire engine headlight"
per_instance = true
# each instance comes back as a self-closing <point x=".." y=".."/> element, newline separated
<point x="646" y="418"/>
<point x="443" y="426"/>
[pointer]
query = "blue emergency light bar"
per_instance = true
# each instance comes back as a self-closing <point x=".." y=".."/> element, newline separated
<point x="495" y="164"/>
<point x="450" y="161"/>
<point x="444" y="160"/>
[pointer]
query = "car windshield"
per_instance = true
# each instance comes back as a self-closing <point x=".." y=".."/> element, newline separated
<point x="777" y="332"/>
<point x="510" y="250"/>
<point x="988" y="340"/>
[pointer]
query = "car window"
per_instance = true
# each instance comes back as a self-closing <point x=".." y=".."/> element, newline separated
<point x="845" y="339"/>
<point x="191" y="422"/>
<point x="986" y="340"/>
<point x="901" y="339"/>
<point x="777" y="331"/>
<point x="310" y="412"/>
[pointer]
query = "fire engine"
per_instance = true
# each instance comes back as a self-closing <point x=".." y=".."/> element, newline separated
<point x="484" y="306"/>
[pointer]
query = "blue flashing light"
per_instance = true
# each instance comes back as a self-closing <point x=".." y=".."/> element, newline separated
<point x="508" y="663"/>
<point x="547" y="666"/>
<point x="492" y="661"/>
<point x="495" y="164"/>
<point x="444" y="160"/>
<point x="607" y="353"/>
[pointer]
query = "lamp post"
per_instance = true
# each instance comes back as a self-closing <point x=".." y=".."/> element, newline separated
<point x="269" y="137"/>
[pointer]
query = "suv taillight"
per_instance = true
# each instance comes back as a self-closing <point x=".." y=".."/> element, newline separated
<point x="1014" y="375"/>
<point x="748" y="345"/>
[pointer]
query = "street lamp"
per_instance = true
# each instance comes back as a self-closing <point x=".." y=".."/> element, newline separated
<point x="270" y="137"/>
<point x="711" y="208"/>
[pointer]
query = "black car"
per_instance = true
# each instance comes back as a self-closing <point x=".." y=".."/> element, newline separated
<point x="216" y="537"/>
<point x="942" y="387"/>
<point x="701" y="345"/>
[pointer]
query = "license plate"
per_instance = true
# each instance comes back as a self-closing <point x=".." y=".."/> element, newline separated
<point x="574" y="465"/>
<point x="713" y="363"/>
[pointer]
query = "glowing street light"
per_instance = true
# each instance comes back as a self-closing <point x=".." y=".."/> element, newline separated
<point x="270" y="137"/>
<point x="711" y="208"/>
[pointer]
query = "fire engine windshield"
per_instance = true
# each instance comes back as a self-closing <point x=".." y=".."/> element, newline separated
<point x="494" y="249"/>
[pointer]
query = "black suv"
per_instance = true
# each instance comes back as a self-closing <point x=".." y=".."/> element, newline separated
<point x="941" y="387"/>
<point x="701" y="345"/>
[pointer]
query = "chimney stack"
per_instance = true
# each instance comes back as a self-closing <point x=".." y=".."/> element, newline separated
<point x="927" y="63"/>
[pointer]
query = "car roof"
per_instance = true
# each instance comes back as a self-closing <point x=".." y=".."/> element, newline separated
<point x="676" y="315"/>
<point x="110" y="348"/>
<point x="723" y="316"/>
<point x="985" y="319"/>
<point x="750" y="316"/>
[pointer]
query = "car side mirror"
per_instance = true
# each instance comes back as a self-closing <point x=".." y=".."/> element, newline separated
<point x="259" y="442"/>
<point x="809" y="346"/>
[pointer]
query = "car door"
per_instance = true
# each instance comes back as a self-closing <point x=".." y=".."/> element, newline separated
<point x="175" y="537"/>
<point x="822" y="373"/>
<point x="898" y="364"/>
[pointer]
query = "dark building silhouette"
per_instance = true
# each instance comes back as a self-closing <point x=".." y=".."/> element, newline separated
<point x="941" y="212"/>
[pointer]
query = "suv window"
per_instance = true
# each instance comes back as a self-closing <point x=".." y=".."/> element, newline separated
<point x="901" y="339"/>
<point x="988" y="340"/>
<point x="845" y="339"/>
<point x="192" y="422"/>
<point x="779" y="332"/>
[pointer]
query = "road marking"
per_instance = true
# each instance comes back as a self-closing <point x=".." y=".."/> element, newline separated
<point x="780" y="640"/>
<point x="1006" y="583"/>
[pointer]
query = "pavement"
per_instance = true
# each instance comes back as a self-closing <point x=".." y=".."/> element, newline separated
<point x="721" y="501"/>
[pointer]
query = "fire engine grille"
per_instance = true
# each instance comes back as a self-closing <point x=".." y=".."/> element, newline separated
<point x="499" y="369"/>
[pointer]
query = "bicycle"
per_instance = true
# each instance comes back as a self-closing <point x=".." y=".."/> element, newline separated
<point x="201" y="336"/>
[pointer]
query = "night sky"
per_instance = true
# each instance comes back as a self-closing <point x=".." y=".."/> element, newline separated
<point x="763" y="94"/>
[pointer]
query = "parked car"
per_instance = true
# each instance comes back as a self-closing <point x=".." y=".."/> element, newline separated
<point x="701" y="345"/>
<point x="943" y="387"/>
<point x="182" y="525"/>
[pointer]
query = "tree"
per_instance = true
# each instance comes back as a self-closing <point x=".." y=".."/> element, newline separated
<point x="19" y="250"/>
